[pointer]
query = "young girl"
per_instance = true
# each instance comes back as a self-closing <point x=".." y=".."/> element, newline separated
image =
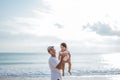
<point x="66" y="59"/>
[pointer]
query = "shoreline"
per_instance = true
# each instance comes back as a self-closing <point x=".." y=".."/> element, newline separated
<point x="95" y="77"/>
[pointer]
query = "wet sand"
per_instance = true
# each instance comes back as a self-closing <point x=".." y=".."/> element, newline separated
<point x="103" y="77"/>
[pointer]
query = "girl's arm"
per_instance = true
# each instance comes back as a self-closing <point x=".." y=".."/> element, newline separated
<point x="61" y="63"/>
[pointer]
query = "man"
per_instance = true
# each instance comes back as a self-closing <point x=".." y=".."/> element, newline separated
<point x="54" y="64"/>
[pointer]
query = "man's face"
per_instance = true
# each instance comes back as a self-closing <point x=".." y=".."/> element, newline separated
<point x="52" y="51"/>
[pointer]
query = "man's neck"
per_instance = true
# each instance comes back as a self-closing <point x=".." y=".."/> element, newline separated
<point x="53" y="55"/>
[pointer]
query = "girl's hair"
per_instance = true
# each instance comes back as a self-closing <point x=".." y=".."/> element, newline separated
<point x="64" y="45"/>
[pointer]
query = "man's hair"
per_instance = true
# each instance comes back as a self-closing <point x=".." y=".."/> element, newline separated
<point x="49" y="48"/>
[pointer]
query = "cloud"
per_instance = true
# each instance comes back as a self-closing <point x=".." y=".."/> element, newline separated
<point x="10" y="36"/>
<point x="58" y="25"/>
<point x="20" y="8"/>
<point x="49" y="23"/>
<point x="24" y="42"/>
<point x="37" y="24"/>
<point x="102" y="29"/>
<point x="108" y="45"/>
<point x="21" y="42"/>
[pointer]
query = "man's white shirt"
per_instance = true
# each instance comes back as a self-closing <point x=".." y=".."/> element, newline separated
<point x="55" y="73"/>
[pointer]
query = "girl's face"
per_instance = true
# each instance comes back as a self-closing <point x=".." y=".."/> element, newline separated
<point x="62" y="48"/>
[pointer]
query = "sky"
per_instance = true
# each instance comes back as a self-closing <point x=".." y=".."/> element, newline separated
<point x="87" y="26"/>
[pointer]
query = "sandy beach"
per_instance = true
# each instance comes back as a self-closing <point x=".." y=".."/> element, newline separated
<point x="103" y="77"/>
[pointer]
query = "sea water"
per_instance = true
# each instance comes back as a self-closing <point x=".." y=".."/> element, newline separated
<point x="36" y="64"/>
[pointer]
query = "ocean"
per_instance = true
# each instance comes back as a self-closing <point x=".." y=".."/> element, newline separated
<point x="36" y="64"/>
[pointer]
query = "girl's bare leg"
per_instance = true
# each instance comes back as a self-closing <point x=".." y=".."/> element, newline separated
<point x="69" y="67"/>
<point x="63" y="68"/>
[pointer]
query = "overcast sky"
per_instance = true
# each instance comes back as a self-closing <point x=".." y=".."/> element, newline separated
<point x="87" y="26"/>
